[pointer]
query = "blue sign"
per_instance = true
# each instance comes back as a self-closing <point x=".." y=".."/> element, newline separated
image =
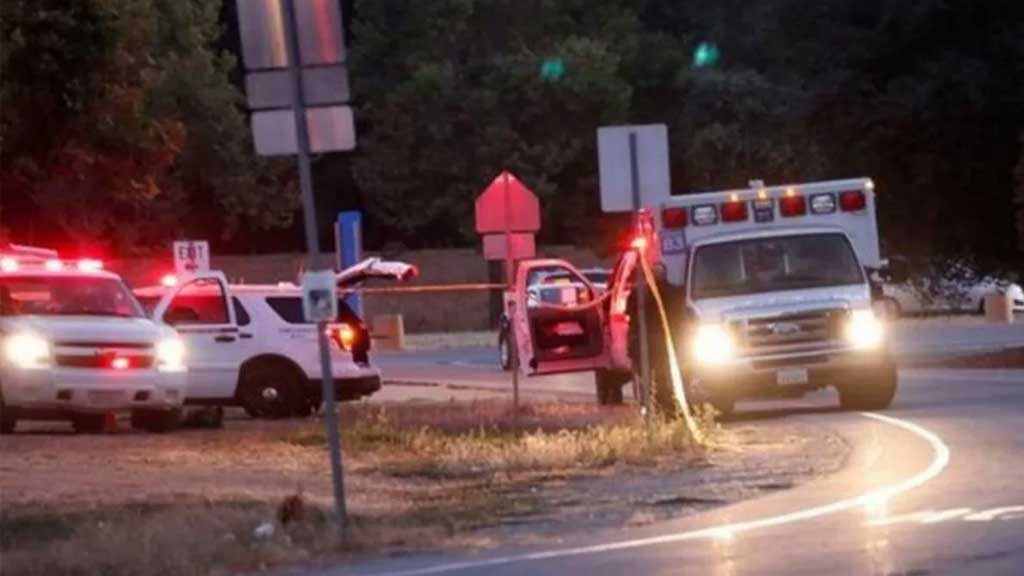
<point x="350" y="249"/>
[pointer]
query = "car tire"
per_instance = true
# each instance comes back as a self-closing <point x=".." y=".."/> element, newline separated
<point x="504" y="350"/>
<point x="156" y="421"/>
<point x="874" y="393"/>
<point x="609" y="387"/>
<point x="88" y="423"/>
<point x="271" y="390"/>
<point x="8" y="418"/>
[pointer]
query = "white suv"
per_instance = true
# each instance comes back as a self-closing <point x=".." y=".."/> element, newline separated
<point x="250" y="346"/>
<point x="75" y="345"/>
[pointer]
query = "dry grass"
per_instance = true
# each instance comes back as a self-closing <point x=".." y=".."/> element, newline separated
<point x="480" y="442"/>
<point x="418" y="476"/>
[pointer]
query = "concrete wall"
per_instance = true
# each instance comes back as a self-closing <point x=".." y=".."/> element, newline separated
<point x="444" y="312"/>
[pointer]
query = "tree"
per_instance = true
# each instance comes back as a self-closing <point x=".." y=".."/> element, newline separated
<point x="120" y="123"/>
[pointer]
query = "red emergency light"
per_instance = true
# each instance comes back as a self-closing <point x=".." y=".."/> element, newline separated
<point x="734" y="211"/>
<point x="169" y="280"/>
<point x="674" y="217"/>
<point x="120" y="363"/>
<point x="8" y="264"/>
<point x="792" y="205"/>
<point x="90" y="265"/>
<point x="852" y="201"/>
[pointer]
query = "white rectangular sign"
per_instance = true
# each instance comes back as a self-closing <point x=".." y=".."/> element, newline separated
<point x="616" y="174"/>
<point x="331" y="128"/>
<point x="319" y="300"/>
<point x="191" y="256"/>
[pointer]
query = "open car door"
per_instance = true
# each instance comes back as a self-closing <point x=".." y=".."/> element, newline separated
<point x="558" y="319"/>
<point x="620" y="288"/>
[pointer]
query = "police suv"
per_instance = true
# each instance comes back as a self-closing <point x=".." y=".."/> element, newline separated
<point x="76" y="345"/>
<point x="250" y="346"/>
<point x="769" y="291"/>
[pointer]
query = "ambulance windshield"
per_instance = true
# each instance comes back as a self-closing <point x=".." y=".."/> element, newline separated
<point x="774" y="264"/>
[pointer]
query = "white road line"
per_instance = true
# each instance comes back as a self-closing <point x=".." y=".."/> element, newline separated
<point x="940" y="459"/>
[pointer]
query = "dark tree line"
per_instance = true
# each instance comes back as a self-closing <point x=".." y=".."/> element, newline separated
<point x="926" y="97"/>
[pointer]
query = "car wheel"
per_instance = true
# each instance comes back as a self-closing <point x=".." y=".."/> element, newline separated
<point x="873" y="393"/>
<point x="609" y="387"/>
<point x="270" y="390"/>
<point x="504" y="350"/>
<point x="156" y="421"/>
<point x="88" y="423"/>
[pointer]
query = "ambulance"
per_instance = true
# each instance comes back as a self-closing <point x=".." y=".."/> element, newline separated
<point x="770" y="294"/>
<point x="75" y="345"/>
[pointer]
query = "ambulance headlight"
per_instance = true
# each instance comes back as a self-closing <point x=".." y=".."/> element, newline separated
<point x="26" y="350"/>
<point x="713" y="344"/>
<point x="864" y="331"/>
<point x="170" y="355"/>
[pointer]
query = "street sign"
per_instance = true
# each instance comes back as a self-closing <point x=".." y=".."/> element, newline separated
<point x="330" y="128"/>
<point x="191" y="256"/>
<point x="319" y="301"/>
<point x="506" y="205"/>
<point x="261" y="25"/>
<point x="320" y="86"/>
<point x="523" y="246"/>
<point x="615" y="167"/>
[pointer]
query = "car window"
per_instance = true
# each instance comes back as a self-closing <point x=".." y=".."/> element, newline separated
<point x="241" y="315"/>
<point x="289" y="309"/>
<point x="66" y="296"/>
<point x="199" y="302"/>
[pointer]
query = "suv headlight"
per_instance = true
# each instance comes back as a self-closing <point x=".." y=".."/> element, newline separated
<point x="863" y="330"/>
<point x="26" y="350"/>
<point x="712" y="344"/>
<point x="170" y="355"/>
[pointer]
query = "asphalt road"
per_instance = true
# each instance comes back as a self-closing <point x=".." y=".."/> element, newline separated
<point x="935" y="485"/>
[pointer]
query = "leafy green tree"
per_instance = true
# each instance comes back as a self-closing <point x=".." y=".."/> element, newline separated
<point x="120" y="122"/>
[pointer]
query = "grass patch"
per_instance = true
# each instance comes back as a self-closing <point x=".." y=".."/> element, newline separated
<point x="460" y="442"/>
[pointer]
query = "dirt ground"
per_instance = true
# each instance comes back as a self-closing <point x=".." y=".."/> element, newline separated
<point x="482" y="491"/>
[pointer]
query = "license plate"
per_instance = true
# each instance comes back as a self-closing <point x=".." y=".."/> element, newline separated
<point x="791" y="377"/>
<point x="105" y="396"/>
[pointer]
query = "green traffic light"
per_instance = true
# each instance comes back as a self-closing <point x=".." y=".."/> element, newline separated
<point x="706" y="54"/>
<point x="552" y="69"/>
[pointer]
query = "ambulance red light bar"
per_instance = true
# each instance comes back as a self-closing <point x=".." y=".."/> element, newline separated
<point x="792" y="204"/>
<point x="673" y="218"/>
<point x="852" y="201"/>
<point x="8" y="264"/>
<point x="734" y="210"/>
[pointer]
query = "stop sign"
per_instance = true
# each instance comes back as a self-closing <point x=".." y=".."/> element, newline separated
<point x="506" y="205"/>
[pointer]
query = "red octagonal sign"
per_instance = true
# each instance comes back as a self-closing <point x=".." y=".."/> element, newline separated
<point x="507" y="205"/>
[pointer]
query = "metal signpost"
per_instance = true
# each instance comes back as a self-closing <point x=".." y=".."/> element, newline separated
<point x="508" y="215"/>
<point x="294" y="53"/>
<point x="644" y="150"/>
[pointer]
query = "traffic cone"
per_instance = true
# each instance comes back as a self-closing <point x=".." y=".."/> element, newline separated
<point x="110" y="422"/>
